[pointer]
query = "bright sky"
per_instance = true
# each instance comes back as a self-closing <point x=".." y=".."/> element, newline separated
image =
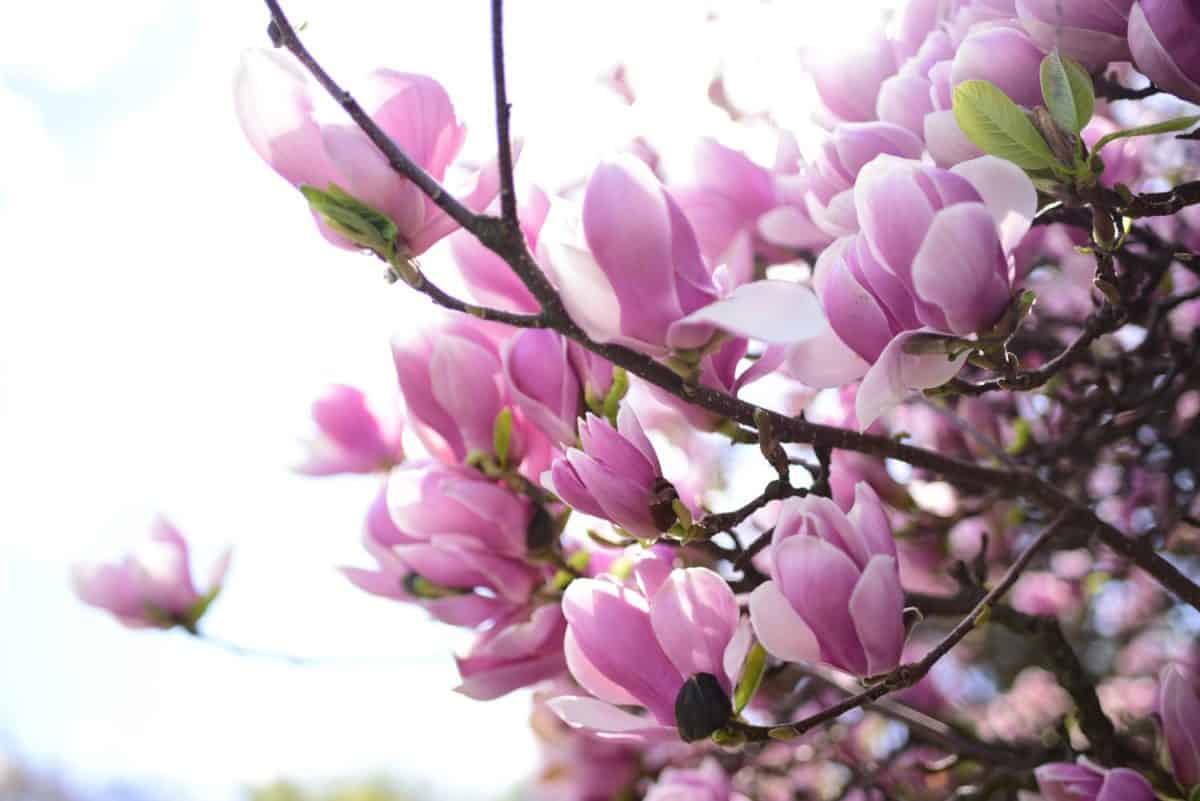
<point x="167" y="312"/>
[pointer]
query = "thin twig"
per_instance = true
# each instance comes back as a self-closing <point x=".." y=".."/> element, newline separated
<point x="508" y="196"/>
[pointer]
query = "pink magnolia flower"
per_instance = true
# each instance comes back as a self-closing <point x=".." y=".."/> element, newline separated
<point x="541" y="378"/>
<point x="489" y="279"/>
<point x="1164" y="46"/>
<point x="152" y="586"/>
<point x="740" y="209"/>
<point x="848" y="149"/>
<point x="519" y="650"/>
<point x="835" y="593"/>
<point x="639" y="646"/>
<point x="907" y="97"/>
<point x="706" y="782"/>
<point x="435" y="503"/>
<point x="848" y="82"/>
<point x="350" y="436"/>
<point x="1179" y="708"/>
<point x="1089" y="32"/>
<point x="629" y="267"/>
<point x="453" y="384"/>
<point x="932" y="255"/>
<point x="1082" y="781"/>
<point x="277" y="113"/>
<point x="616" y="476"/>
<point x="1004" y="55"/>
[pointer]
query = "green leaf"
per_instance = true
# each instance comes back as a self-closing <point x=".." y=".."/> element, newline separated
<point x="502" y="436"/>
<point x="201" y="606"/>
<point x="612" y="402"/>
<point x="1068" y="92"/>
<point x="1170" y="126"/>
<point x="363" y="225"/>
<point x="998" y="126"/>
<point x="752" y="674"/>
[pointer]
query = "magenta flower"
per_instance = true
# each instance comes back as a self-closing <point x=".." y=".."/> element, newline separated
<point x="1081" y="781"/>
<point x="1089" y="32"/>
<point x="540" y="375"/>
<point x="1164" y="45"/>
<point x="907" y="97"/>
<point x="152" y="586"/>
<point x="435" y="503"/>
<point x="276" y="110"/>
<point x="350" y="436"/>
<point x="835" y="593"/>
<point x="615" y="476"/>
<point x="638" y="647"/>
<point x="519" y="650"/>
<point x="933" y="256"/>
<point x="832" y="174"/>
<point x="1004" y="55"/>
<point x="453" y="385"/>
<point x="630" y="267"/>
<point x="706" y="782"/>
<point x="1179" y="708"/>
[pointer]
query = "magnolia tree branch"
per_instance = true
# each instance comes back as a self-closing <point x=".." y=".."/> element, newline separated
<point x="508" y="195"/>
<point x="508" y="242"/>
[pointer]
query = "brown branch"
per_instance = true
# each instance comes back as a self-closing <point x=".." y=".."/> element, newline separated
<point x="1110" y="89"/>
<point x="508" y="196"/>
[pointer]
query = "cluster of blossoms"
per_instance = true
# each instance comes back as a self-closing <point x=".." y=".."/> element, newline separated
<point x="678" y="651"/>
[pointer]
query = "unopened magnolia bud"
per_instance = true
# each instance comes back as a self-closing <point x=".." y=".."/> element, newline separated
<point x="701" y="708"/>
<point x="662" y="504"/>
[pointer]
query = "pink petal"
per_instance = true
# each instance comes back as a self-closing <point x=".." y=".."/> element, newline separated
<point x="824" y="361"/>
<point x="877" y="607"/>
<point x="695" y="615"/>
<point x="776" y="312"/>
<point x="896" y="374"/>
<point x="781" y="631"/>
<point x="1006" y="191"/>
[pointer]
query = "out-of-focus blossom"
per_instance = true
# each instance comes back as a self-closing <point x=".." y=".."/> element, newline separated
<point x="616" y="476"/>
<point x="707" y="782"/>
<point x="1089" y="32"/>
<point x="639" y="647"/>
<point x="276" y="110"/>
<point x="741" y="210"/>
<point x="835" y="593"/>
<point x="435" y="503"/>
<point x="518" y="651"/>
<point x="832" y="174"/>
<point x="152" y="586"/>
<point x="488" y="277"/>
<point x="1179" y="708"/>
<point x="350" y="436"/>
<point x="908" y="96"/>
<point x="453" y="384"/>
<point x="1082" y="781"/>
<point x="629" y="267"/>
<point x="932" y="255"/>
<point x="541" y="378"/>
<point x="1164" y="45"/>
<point x="848" y="81"/>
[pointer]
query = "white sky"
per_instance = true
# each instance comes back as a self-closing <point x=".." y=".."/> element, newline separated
<point x="167" y="312"/>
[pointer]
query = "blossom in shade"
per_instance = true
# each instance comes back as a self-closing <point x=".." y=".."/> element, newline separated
<point x="1162" y="38"/>
<point x="1179" y="709"/>
<point x="1089" y="32"/>
<point x="835" y="593"/>
<point x="350" y="436"/>
<point x="277" y="112"/>
<point x="1082" y="781"/>
<point x="519" y="650"/>
<point x="152" y="586"/>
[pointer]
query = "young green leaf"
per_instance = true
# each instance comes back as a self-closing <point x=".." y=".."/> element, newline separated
<point x="1170" y="126"/>
<point x="998" y="126"/>
<point x="1068" y="92"/>
<point x="752" y="674"/>
<point x="347" y="215"/>
<point x="502" y="436"/>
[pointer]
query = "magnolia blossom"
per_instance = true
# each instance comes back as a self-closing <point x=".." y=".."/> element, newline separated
<point x="1082" y="781"/>
<point x="848" y="81"/>
<point x="350" y="437"/>
<point x="1179" y="709"/>
<point x="907" y="97"/>
<point x="707" y="782"/>
<point x="453" y="384"/>
<point x="628" y="266"/>
<point x="152" y="586"/>
<point x="1163" y="42"/>
<point x="639" y="646"/>
<point x="519" y="650"/>
<point x="616" y="475"/>
<point x="835" y="593"/>
<point x="932" y="256"/>
<point x="1089" y="32"/>
<point x="277" y="112"/>
<point x="542" y="380"/>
